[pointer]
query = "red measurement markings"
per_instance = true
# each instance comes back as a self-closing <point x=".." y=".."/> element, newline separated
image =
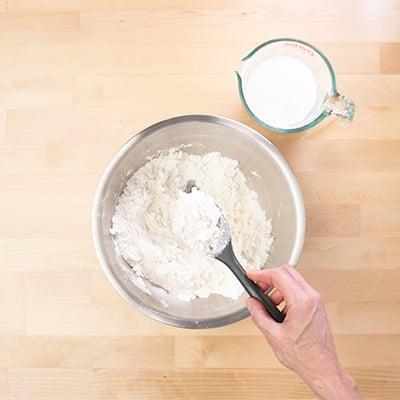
<point x="301" y="47"/>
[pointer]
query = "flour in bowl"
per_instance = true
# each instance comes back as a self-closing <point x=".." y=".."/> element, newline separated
<point x="165" y="234"/>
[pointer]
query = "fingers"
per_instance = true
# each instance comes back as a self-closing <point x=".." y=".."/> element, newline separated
<point x="276" y="296"/>
<point x="264" y="322"/>
<point x="286" y="279"/>
<point x="262" y="285"/>
<point x="273" y="294"/>
<point x="262" y="277"/>
<point x="279" y="278"/>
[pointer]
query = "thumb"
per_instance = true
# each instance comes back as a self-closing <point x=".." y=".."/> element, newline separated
<point x="264" y="322"/>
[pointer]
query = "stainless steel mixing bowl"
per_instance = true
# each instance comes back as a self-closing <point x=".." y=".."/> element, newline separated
<point x="268" y="174"/>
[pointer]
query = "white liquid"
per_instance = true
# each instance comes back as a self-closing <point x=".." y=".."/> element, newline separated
<point x="281" y="91"/>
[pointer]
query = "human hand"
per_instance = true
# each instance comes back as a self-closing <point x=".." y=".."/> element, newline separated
<point x="303" y="342"/>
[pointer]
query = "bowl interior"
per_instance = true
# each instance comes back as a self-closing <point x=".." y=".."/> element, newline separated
<point x="267" y="173"/>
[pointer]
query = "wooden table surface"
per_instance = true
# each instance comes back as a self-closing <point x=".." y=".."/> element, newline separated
<point x="78" y="78"/>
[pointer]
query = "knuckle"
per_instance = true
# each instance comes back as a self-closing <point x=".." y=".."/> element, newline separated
<point x="313" y="300"/>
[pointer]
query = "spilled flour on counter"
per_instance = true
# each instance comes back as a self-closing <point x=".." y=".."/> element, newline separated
<point x="165" y="234"/>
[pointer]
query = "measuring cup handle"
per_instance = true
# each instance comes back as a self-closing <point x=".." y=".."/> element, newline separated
<point x="341" y="106"/>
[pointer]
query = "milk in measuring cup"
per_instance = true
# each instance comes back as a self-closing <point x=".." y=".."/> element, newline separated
<point x="281" y="91"/>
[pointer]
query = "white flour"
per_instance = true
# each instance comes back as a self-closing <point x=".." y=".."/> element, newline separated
<point x="195" y="221"/>
<point x="165" y="234"/>
<point x="281" y="91"/>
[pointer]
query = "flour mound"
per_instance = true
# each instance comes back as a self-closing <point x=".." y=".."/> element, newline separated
<point x="165" y="234"/>
<point x="196" y="221"/>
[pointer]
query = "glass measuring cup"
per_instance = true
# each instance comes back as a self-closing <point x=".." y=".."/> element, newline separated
<point x="289" y="86"/>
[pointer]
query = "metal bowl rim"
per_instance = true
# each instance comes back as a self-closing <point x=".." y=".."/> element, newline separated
<point x="117" y="158"/>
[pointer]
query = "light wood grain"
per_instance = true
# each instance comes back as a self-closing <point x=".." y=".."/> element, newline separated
<point x="36" y="92"/>
<point x="83" y="352"/>
<point x="144" y="383"/>
<point x="351" y="253"/>
<point x="390" y="58"/>
<point x="336" y="188"/>
<point x="78" y="78"/>
<point x="12" y="319"/>
<point x="3" y="248"/>
<point x="50" y="254"/>
<point x="2" y="126"/>
<point x="3" y="383"/>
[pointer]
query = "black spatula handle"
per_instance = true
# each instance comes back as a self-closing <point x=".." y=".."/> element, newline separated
<point x="227" y="256"/>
